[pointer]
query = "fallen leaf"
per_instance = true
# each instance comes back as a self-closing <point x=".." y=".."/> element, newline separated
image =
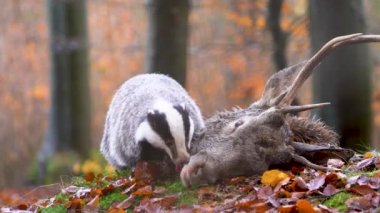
<point x="304" y="206"/>
<point x="167" y="201"/>
<point x="362" y="190"/>
<point x="287" y="209"/>
<point x="207" y="193"/>
<point x="300" y="184"/>
<point x="236" y="180"/>
<point x="281" y="183"/>
<point x="365" y="163"/>
<point x="94" y="202"/>
<point x="129" y="189"/>
<point x="329" y="190"/>
<point x="146" y="191"/>
<point x="316" y="183"/>
<point x="265" y="192"/>
<point x="251" y="205"/>
<point x="335" y="163"/>
<point x="377" y="162"/>
<point x="368" y="155"/>
<point x="115" y="210"/>
<point x="22" y="206"/>
<point x="75" y="204"/>
<point x="273" y="177"/>
<point x="90" y="176"/>
<point x="159" y="190"/>
<point x="128" y="202"/>
<point x="358" y="203"/>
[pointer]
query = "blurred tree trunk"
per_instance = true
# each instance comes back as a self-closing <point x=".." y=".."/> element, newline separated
<point x="279" y="37"/>
<point x="69" y="123"/>
<point x="344" y="78"/>
<point x="167" y="38"/>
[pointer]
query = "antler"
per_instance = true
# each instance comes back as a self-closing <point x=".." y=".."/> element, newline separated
<point x="308" y="68"/>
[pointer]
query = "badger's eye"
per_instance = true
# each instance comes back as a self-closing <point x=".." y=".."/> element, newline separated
<point x="238" y="123"/>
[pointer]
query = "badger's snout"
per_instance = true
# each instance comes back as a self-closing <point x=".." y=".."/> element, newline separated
<point x="181" y="160"/>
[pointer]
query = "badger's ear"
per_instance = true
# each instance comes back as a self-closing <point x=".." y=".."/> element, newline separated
<point x="181" y="108"/>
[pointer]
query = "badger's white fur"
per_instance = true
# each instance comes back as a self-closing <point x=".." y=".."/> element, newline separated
<point x="127" y="124"/>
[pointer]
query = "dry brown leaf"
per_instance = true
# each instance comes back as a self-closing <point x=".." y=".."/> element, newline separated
<point x="94" y="202"/>
<point x="316" y="183"/>
<point x="335" y="163"/>
<point x="273" y="177"/>
<point x="304" y="206"/>
<point x="115" y="210"/>
<point x="365" y="163"/>
<point x="167" y="201"/>
<point x="207" y="193"/>
<point x="250" y="205"/>
<point x="329" y="190"/>
<point x="377" y="162"/>
<point x="90" y="176"/>
<point x="265" y="192"/>
<point x="128" y="202"/>
<point x="287" y="209"/>
<point x="362" y="190"/>
<point x="359" y="203"/>
<point x="146" y="191"/>
<point x="236" y="180"/>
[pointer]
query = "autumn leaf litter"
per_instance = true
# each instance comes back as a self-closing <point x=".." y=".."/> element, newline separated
<point x="354" y="188"/>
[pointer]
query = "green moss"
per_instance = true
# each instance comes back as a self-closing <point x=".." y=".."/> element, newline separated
<point x="338" y="200"/>
<point x="54" y="209"/>
<point x="186" y="196"/>
<point x="63" y="197"/>
<point x="123" y="173"/>
<point x="106" y="201"/>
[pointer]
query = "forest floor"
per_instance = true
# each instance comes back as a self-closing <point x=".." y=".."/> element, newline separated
<point x="356" y="187"/>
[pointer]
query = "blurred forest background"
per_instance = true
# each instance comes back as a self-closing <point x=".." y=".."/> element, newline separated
<point x="229" y="59"/>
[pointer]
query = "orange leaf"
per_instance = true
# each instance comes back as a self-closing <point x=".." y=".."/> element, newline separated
<point x="115" y="210"/>
<point x="368" y="155"/>
<point x="90" y="176"/>
<point x="273" y="177"/>
<point x="304" y="206"/>
<point x="287" y="209"/>
<point x="146" y="191"/>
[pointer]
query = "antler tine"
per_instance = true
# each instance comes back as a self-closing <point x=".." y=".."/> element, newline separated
<point x="290" y="109"/>
<point x="316" y="59"/>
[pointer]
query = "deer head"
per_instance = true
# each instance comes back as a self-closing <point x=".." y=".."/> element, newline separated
<point x="249" y="141"/>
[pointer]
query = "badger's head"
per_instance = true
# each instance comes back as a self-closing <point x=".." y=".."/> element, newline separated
<point x="170" y="128"/>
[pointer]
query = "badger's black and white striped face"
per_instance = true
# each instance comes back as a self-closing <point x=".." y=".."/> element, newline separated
<point x="168" y="127"/>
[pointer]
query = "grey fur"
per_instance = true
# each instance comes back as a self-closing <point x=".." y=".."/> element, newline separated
<point x="129" y="108"/>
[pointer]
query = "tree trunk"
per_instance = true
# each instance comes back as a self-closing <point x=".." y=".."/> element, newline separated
<point x="278" y="36"/>
<point x="69" y="123"/>
<point x="167" y="38"/>
<point x="344" y="78"/>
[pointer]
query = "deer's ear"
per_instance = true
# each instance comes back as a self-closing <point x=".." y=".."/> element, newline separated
<point x="277" y="84"/>
<point x="199" y="134"/>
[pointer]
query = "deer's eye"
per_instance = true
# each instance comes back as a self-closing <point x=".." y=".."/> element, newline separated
<point x="238" y="123"/>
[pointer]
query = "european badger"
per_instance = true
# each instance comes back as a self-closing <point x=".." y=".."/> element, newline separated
<point x="151" y="118"/>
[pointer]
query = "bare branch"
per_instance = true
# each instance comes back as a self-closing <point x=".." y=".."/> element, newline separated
<point x="321" y="54"/>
